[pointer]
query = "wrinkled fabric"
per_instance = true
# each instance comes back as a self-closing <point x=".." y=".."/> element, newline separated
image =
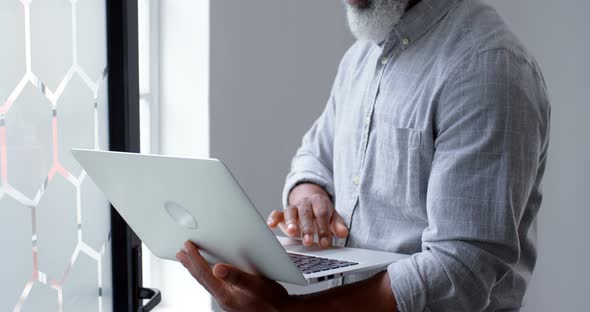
<point x="434" y="144"/>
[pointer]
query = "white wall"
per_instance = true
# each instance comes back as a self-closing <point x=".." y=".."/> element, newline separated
<point x="556" y="32"/>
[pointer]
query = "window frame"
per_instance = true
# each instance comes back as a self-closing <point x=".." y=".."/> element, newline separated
<point x="124" y="136"/>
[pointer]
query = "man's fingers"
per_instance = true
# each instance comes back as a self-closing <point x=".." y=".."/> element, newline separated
<point x="200" y="270"/>
<point x="306" y="222"/>
<point x="338" y="226"/>
<point x="291" y="216"/>
<point x="182" y="257"/>
<point x="275" y="218"/>
<point x="238" y="278"/>
<point x="286" y="220"/>
<point x="311" y="214"/>
<point x="323" y="213"/>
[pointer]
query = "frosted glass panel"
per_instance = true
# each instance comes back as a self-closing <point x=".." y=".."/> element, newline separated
<point x="41" y="298"/>
<point x="51" y="40"/>
<point x="93" y="216"/>
<point x="29" y="148"/>
<point x="12" y="62"/>
<point x="18" y="267"/>
<point x="54" y="223"/>
<point x="75" y="111"/>
<point x="92" y="37"/>
<point x="57" y="233"/>
<point x="79" y="291"/>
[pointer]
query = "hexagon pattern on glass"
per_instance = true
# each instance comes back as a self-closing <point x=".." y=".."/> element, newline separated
<point x="75" y="110"/>
<point x="95" y="213"/>
<point x="12" y="16"/>
<point x="41" y="298"/>
<point x="53" y="97"/>
<point x="91" y="37"/>
<point x="28" y="141"/>
<point x="56" y="244"/>
<point x="17" y="250"/>
<point x="79" y="291"/>
<point x="51" y="40"/>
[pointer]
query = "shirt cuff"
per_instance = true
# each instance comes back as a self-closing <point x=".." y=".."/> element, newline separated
<point x="297" y="177"/>
<point x="407" y="285"/>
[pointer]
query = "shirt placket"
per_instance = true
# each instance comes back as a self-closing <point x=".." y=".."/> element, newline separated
<point x="384" y="59"/>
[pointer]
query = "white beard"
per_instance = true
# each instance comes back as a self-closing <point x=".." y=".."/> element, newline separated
<point x="376" y="21"/>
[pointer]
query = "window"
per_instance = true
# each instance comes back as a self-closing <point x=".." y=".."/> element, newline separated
<point x="54" y="222"/>
<point x="174" y="77"/>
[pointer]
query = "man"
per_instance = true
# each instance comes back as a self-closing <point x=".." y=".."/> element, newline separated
<point x="434" y="144"/>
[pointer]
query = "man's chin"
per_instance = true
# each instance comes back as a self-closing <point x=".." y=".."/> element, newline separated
<point x="358" y="4"/>
<point x="376" y="22"/>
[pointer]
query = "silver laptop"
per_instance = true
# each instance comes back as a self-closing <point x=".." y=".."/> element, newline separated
<point x="169" y="200"/>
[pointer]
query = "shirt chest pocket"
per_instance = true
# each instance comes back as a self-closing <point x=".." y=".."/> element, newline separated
<point x="394" y="169"/>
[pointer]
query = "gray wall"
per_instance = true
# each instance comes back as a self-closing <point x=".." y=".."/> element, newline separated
<point x="556" y="32"/>
<point x="272" y="67"/>
<point x="272" y="64"/>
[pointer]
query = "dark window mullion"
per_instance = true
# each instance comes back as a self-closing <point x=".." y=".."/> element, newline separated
<point x="123" y="77"/>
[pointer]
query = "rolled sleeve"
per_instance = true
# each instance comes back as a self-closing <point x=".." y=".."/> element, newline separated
<point x="491" y="140"/>
<point x="310" y="172"/>
<point x="406" y="284"/>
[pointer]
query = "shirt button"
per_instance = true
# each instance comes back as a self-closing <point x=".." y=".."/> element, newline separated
<point x="384" y="60"/>
<point x="367" y="120"/>
<point x="405" y="42"/>
<point x="356" y="180"/>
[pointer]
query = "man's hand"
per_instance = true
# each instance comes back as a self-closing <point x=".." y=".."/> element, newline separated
<point x="310" y="212"/>
<point x="233" y="289"/>
<point x="236" y="290"/>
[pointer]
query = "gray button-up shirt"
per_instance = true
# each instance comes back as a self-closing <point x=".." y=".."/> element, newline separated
<point x="434" y="144"/>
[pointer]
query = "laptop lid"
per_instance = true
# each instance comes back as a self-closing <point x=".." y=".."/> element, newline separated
<point x="168" y="200"/>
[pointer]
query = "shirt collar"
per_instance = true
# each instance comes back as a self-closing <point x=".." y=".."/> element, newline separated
<point x="418" y="20"/>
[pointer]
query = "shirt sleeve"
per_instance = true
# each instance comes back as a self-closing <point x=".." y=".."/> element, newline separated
<point x="313" y="161"/>
<point x="491" y="137"/>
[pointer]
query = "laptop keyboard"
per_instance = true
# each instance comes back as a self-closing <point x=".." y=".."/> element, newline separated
<point x="309" y="264"/>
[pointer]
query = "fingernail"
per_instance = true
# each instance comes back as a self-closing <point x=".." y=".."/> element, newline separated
<point x="307" y="238"/>
<point x="269" y="222"/>
<point x="221" y="272"/>
<point x="325" y="242"/>
<point x="291" y="226"/>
